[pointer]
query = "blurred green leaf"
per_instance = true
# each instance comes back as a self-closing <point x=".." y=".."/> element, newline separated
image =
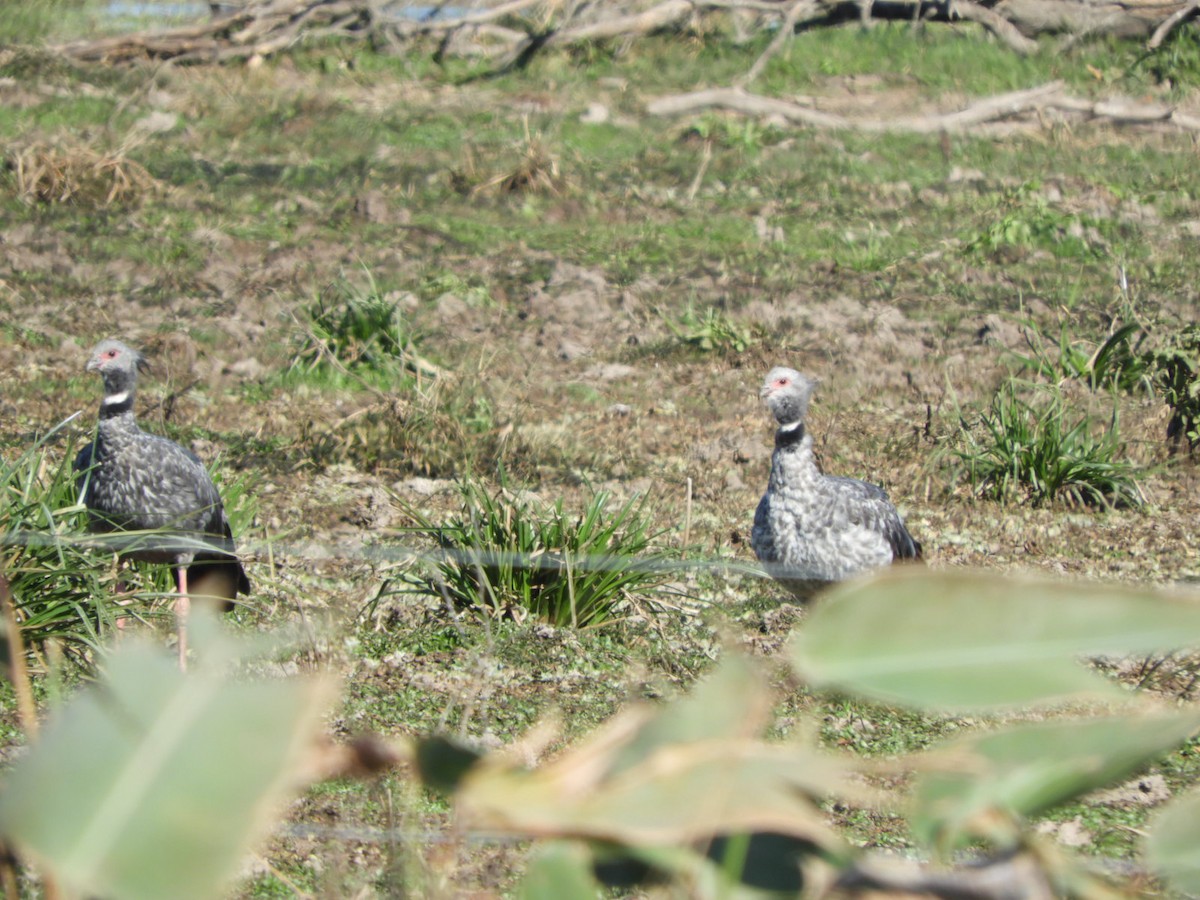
<point x="956" y="640"/>
<point x="151" y="783"/>
<point x="732" y="702"/>
<point x="1022" y="771"/>
<point x="663" y="776"/>
<point x="560" y="871"/>
<point x="1173" y="844"/>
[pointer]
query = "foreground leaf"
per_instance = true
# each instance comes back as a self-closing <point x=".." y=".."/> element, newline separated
<point x="732" y="702"/>
<point x="955" y="640"/>
<point x="152" y="784"/>
<point x="560" y="871"/>
<point x="1173" y="845"/>
<point x="1022" y="771"/>
<point x="666" y="776"/>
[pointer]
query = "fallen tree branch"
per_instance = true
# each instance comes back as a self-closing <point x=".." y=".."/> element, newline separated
<point x="737" y="100"/>
<point x="1165" y="27"/>
<point x="1003" y="29"/>
<point x="991" y="109"/>
<point x="782" y="36"/>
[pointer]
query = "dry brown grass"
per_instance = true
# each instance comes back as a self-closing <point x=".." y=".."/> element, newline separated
<point x="44" y="173"/>
<point x="536" y="172"/>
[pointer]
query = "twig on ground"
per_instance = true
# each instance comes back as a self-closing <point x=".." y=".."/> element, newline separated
<point x="705" y="159"/>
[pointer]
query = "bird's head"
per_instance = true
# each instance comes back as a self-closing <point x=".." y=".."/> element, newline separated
<point x="786" y="393"/>
<point x="111" y="355"/>
<point x="118" y="365"/>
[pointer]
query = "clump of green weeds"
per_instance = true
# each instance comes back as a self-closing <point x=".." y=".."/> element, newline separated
<point x="712" y="332"/>
<point x="1119" y="362"/>
<point x="58" y="586"/>
<point x="1176" y="367"/>
<point x="734" y="132"/>
<point x="470" y="290"/>
<point x="1034" y="447"/>
<point x="1024" y="219"/>
<point x="361" y="332"/>
<point x="506" y="555"/>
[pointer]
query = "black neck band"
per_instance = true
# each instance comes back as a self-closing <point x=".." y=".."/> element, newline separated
<point x="112" y="410"/>
<point x="789" y="435"/>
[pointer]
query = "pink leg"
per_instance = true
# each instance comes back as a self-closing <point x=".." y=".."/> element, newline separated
<point x="121" y="620"/>
<point x="182" y="606"/>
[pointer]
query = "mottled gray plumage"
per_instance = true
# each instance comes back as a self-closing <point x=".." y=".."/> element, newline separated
<point x="134" y="481"/>
<point x="811" y="528"/>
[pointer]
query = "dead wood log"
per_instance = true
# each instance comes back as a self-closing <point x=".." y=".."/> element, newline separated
<point x="1115" y="18"/>
<point x="991" y="109"/>
<point x="1003" y="29"/>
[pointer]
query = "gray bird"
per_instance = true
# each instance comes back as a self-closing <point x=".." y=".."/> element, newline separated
<point x="810" y="528"/>
<point x="132" y="481"/>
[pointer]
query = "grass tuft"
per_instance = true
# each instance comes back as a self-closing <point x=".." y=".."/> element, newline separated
<point x="78" y="176"/>
<point x="712" y="332"/>
<point x="536" y="171"/>
<point x="1025" y="219"/>
<point x="1117" y="363"/>
<point x="356" y="332"/>
<point x="505" y="555"/>
<point x="56" y="582"/>
<point x="1034" y="448"/>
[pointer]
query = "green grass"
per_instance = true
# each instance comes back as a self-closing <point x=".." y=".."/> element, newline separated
<point x="506" y="556"/>
<point x="1030" y="443"/>
<point x="1118" y="362"/>
<point x="712" y="332"/>
<point x="57" y="586"/>
<point x="356" y="333"/>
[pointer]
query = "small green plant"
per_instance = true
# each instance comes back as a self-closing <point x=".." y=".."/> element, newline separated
<point x="469" y="290"/>
<point x="1176" y="368"/>
<point x="1117" y="363"/>
<point x="510" y="556"/>
<point x="712" y="332"/>
<point x="360" y="332"/>
<point x="864" y="250"/>
<point x="1024" y="219"/>
<point x="1032" y="447"/>
<point x="744" y="134"/>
